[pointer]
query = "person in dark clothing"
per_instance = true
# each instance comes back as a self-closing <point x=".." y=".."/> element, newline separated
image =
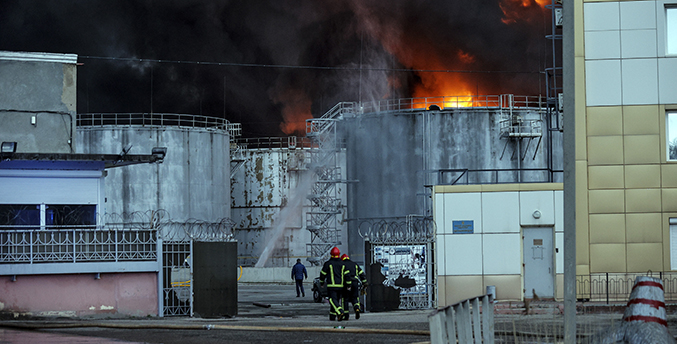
<point x="354" y="279"/>
<point x="333" y="272"/>
<point x="298" y="272"/>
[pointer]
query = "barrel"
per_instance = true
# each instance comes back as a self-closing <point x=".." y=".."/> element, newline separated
<point x="646" y="302"/>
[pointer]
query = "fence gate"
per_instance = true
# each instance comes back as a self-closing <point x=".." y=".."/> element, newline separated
<point x="399" y="262"/>
<point x="178" y="240"/>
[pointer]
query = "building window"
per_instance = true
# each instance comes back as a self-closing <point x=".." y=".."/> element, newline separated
<point x="672" y="134"/>
<point x="30" y="216"/>
<point x="19" y="216"/>
<point x="70" y="215"/>
<point x="671" y="29"/>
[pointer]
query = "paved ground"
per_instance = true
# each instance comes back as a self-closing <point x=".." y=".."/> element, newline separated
<point x="288" y="320"/>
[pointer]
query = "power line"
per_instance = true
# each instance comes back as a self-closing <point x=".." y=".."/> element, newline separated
<point x="282" y="66"/>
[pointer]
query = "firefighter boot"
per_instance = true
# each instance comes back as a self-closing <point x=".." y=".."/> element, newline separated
<point x="357" y="312"/>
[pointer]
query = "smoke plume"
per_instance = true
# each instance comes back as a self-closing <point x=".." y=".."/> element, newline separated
<point x="282" y="61"/>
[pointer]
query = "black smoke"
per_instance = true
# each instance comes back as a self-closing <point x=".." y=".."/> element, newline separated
<point x="264" y="47"/>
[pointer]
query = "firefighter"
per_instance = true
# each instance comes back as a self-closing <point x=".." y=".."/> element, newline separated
<point x="354" y="277"/>
<point x="333" y="272"/>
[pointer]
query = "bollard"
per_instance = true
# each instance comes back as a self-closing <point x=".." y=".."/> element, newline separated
<point x="644" y="319"/>
<point x="646" y="302"/>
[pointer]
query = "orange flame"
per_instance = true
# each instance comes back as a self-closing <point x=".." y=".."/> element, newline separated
<point x="519" y="10"/>
<point x="295" y="111"/>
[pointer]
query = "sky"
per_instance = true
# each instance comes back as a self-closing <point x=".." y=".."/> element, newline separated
<point x="272" y="64"/>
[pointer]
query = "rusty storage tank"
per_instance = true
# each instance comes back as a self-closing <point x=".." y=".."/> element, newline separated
<point x="397" y="149"/>
<point x="271" y="173"/>
<point x="193" y="181"/>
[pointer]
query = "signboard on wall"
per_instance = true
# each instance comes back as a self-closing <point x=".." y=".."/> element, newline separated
<point x="463" y="227"/>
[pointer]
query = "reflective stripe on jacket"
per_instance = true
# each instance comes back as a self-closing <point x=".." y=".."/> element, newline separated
<point x="354" y="272"/>
<point x="333" y="271"/>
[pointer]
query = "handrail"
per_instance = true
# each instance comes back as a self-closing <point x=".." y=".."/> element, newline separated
<point x="91" y="120"/>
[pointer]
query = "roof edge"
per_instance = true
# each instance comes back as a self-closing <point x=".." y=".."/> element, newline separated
<point x="38" y="57"/>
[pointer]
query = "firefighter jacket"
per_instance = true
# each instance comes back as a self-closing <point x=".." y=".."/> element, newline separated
<point x="333" y="271"/>
<point x="354" y="273"/>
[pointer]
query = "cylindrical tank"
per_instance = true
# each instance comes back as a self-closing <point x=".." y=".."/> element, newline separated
<point x="193" y="181"/>
<point x="394" y="157"/>
<point x="269" y="196"/>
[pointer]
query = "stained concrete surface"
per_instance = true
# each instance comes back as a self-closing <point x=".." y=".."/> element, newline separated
<point x="298" y="320"/>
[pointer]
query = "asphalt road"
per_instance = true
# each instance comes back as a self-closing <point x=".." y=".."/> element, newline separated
<point x="288" y="320"/>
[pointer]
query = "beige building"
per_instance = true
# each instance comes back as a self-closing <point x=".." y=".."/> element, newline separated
<point x="626" y="126"/>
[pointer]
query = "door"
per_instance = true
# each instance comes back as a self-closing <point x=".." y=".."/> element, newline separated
<point x="539" y="274"/>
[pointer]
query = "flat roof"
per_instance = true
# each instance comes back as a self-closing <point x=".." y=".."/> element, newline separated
<point x="38" y="57"/>
<point x="109" y="160"/>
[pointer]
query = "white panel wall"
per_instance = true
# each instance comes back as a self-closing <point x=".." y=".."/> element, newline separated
<point x="36" y="190"/>
<point x="440" y="250"/>
<point x="463" y="206"/>
<point x="625" y="59"/>
<point x="502" y="254"/>
<point x="500" y="212"/>
<point x="559" y="252"/>
<point x="496" y="246"/>
<point x="463" y="254"/>
<point x="559" y="211"/>
<point x="543" y="201"/>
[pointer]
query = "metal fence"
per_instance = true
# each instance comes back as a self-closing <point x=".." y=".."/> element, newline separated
<point x="403" y="246"/>
<point x="616" y="287"/>
<point x="77" y="245"/>
<point x="115" y="238"/>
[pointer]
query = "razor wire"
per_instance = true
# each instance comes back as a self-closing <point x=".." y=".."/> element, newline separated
<point x="395" y="230"/>
<point x="171" y="230"/>
<point x="198" y="230"/>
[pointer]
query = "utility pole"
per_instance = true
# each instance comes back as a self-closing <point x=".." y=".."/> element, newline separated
<point x="569" y="141"/>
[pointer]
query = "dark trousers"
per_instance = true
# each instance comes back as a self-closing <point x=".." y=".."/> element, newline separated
<point x="335" y="300"/>
<point x="299" y="287"/>
<point x="351" y="296"/>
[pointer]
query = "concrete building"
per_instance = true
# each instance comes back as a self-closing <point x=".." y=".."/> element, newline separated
<point x="626" y="102"/>
<point x="57" y="255"/>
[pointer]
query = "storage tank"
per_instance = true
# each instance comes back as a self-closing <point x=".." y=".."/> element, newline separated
<point x="192" y="182"/>
<point x="396" y="152"/>
<point x="269" y="196"/>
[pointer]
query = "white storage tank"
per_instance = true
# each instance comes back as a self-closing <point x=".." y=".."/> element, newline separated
<point x="192" y="182"/>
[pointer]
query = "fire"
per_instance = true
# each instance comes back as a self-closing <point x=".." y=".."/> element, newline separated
<point x="296" y="110"/>
<point x="520" y="10"/>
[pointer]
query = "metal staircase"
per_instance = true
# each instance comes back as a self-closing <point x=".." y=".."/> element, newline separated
<point x="325" y="200"/>
<point x="236" y="153"/>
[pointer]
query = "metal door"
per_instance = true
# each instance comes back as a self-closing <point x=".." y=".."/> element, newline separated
<point x="539" y="274"/>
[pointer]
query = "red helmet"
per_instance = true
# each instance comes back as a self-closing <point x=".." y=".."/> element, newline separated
<point x="344" y="257"/>
<point x="335" y="252"/>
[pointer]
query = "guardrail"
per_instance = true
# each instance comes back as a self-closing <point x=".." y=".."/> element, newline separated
<point x="616" y="287"/>
<point x="85" y="120"/>
<point x="464" y="322"/>
<point x="489" y="176"/>
<point x="290" y="142"/>
<point x="452" y="102"/>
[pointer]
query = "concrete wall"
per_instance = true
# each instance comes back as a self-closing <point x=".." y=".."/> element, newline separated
<point x="133" y="294"/>
<point x="391" y="155"/>
<point x="38" y="88"/>
<point x="191" y="183"/>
